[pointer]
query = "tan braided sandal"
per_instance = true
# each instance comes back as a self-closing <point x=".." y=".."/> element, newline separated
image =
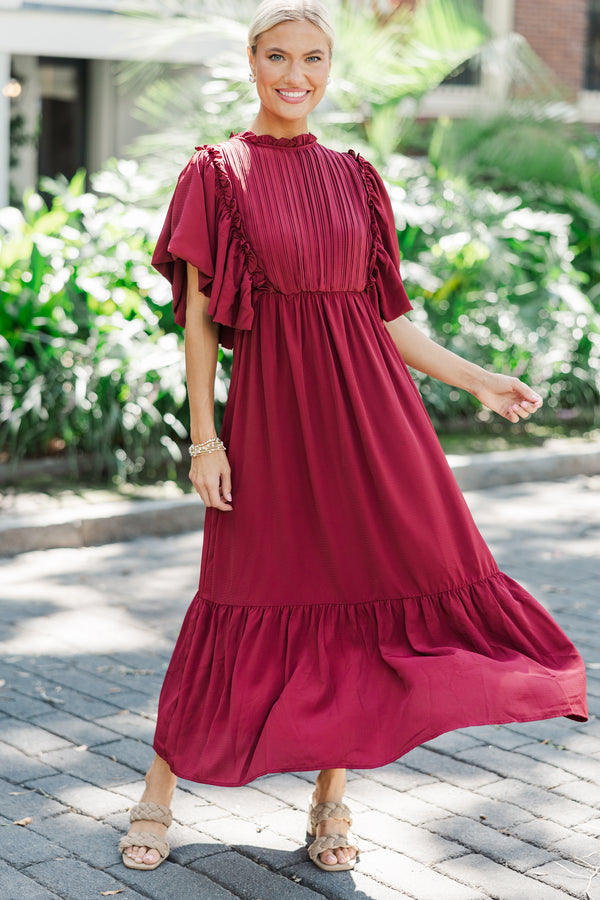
<point x="150" y="812"/>
<point x="318" y="814"/>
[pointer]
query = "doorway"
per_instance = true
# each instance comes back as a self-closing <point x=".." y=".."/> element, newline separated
<point x="62" y="139"/>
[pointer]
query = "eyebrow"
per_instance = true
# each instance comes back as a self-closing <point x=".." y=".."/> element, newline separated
<point x="279" y="50"/>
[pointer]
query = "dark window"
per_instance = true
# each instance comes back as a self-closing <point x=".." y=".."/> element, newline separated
<point x="62" y="147"/>
<point x="592" y="71"/>
<point x="469" y="73"/>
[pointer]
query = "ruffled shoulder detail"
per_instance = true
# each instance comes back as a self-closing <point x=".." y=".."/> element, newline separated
<point x="384" y="263"/>
<point x="229" y="214"/>
<point x="203" y="227"/>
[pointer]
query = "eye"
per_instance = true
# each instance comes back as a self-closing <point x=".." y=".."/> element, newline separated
<point x="275" y="56"/>
<point x="316" y="58"/>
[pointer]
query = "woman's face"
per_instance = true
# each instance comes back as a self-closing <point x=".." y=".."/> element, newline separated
<point x="291" y="65"/>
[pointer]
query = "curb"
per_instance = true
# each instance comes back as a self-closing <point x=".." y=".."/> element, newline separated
<point x="105" y="523"/>
<point x="485" y="470"/>
<point x="102" y="523"/>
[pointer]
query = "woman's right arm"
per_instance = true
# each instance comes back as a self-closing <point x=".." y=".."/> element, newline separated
<point x="209" y="473"/>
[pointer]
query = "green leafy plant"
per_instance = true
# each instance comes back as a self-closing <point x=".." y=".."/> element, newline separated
<point x="494" y="277"/>
<point x="88" y="358"/>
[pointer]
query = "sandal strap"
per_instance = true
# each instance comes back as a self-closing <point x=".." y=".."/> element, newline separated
<point x="151" y="812"/>
<point x="330" y="810"/>
<point x="329" y="842"/>
<point x="144" y="839"/>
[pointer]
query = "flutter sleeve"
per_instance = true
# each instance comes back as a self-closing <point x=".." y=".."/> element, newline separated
<point x="198" y="229"/>
<point x="385" y="260"/>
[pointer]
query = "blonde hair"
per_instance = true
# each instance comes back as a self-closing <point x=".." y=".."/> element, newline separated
<point x="273" y="12"/>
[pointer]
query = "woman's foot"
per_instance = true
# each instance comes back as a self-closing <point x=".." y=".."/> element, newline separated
<point x="160" y="787"/>
<point x="331" y="786"/>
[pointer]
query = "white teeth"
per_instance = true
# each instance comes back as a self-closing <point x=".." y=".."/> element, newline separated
<point x="293" y="93"/>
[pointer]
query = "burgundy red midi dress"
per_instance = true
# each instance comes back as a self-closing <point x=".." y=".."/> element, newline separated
<point x="348" y="609"/>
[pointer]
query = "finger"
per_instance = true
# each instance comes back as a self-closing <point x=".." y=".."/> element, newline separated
<point x="215" y="498"/>
<point x="203" y="494"/>
<point x="226" y="485"/>
<point x="520" y="412"/>
<point x="529" y="394"/>
<point x="530" y="407"/>
<point x="202" y="489"/>
<point x="198" y="487"/>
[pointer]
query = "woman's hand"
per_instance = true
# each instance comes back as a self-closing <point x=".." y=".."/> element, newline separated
<point x="507" y="396"/>
<point x="503" y="394"/>
<point x="211" y="476"/>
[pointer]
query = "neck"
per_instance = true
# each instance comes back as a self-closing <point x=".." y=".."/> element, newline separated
<point x="277" y="127"/>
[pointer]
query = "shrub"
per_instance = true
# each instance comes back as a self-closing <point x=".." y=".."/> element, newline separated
<point x="89" y="358"/>
<point x="493" y="276"/>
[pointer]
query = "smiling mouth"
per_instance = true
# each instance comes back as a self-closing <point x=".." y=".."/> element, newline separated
<point x="293" y="95"/>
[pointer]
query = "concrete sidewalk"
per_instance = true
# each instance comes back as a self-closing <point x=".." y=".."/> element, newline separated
<point x="510" y="813"/>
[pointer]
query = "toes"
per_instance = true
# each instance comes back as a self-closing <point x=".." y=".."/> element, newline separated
<point x="345" y="854"/>
<point x="142" y="855"/>
<point x="340" y="855"/>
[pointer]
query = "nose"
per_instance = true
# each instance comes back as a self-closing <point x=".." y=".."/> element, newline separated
<point x="294" y="74"/>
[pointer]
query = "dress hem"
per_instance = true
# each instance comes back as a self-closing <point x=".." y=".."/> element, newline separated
<point x="356" y="765"/>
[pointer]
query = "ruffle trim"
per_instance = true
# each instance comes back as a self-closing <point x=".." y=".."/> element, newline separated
<point x="377" y="248"/>
<point x="446" y="595"/>
<point x="229" y="214"/>
<point x="384" y="271"/>
<point x="267" y="140"/>
<point x="237" y="270"/>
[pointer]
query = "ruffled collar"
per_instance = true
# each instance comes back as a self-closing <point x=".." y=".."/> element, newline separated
<point x="267" y="140"/>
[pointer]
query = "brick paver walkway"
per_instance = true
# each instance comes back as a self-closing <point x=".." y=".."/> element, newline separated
<point x="511" y="813"/>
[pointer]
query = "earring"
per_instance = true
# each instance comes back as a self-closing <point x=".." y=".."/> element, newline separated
<point x="251" y="77"/>
<point x="329" y="80"/>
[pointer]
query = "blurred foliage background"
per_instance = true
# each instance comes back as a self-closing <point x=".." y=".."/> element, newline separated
<point x="498" y="224"/>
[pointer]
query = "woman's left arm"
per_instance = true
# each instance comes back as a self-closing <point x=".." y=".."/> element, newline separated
<point x="503" y="394"/>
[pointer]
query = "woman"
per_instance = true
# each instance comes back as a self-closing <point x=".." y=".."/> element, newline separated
<point x="348" y="609"/>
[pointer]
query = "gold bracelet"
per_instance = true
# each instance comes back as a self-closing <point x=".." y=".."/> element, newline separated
<point x="210" y="446"/>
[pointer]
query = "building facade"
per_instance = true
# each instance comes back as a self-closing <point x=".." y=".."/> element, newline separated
<point x="58" y="87"/>
<point x="565" y="36"/>
<point x="58" y="58"/>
